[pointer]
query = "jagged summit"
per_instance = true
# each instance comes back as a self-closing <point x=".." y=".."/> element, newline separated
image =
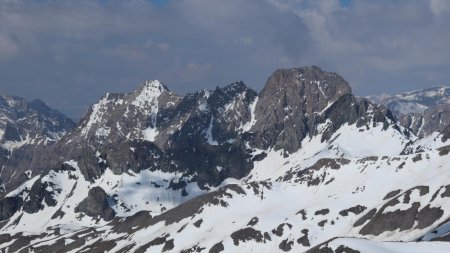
<point x="236" y="86"/>
<point x="288" y="103"/>
<point x="153" y="85"/>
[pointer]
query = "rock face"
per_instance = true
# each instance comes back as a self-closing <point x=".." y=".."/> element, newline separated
<point x="227" y="170"/>
<point x="434" y="119"/>
<point x="96" y="205"/>
<point x="290" y="100"/>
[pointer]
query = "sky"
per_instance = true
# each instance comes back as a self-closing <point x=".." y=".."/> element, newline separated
<point x="70" y="53"/>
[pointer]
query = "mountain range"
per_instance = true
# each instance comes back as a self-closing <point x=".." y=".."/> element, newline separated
<point x="301" y="166"/>
<point x="423" y="111"/>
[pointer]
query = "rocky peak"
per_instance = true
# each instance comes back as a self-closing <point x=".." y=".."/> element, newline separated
<point x="122" y="116"/>
<point x="289" y="98"/>
<point x="309" y="88"/>
<point x="147" y="94"/>
<point x="152" y="85"/>
<point x="235" y="87"/>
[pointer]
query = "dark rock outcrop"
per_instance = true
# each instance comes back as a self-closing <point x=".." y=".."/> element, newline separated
<point x="290" y="98"/>
<point x="96" y="205"/>
<point x="9" y="206"/>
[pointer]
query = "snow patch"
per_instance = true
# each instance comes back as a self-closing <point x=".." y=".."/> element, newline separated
<point x="208" y="134"/>
<point x="247" y="126"/>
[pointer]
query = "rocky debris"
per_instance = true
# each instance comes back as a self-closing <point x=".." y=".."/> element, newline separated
<point x="217" y="248"/>
<point x="246" y="234"/>
<point x="355" y="210"/>
<point x="286" y="245"/>
<point x="444" y="150"/>
<point x="195" y="248"/>
<point x="392" y="194"/>
<point x="253" y="221"/>
<point x="326" y="247"/>
<point x="304" y="239"/>
<point x="322" y="211"/>
<point x="198" y="223"/>
<point x="322" y="223"/>
<point x="366" y="217"/>
<point x="334" y="164"/>
<point x="414" y="216"/>
<point x="280" y="229"/>
<point x="96" y="205"/>
<point x="302" y="213"/>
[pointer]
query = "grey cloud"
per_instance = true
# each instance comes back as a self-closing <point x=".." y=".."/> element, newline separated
<point x="70" y="53"/>
<point x="377" y="45"/>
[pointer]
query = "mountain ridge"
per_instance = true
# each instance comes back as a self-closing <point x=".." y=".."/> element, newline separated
<point x="423" y="111"/>
<point x="286" y="169"/>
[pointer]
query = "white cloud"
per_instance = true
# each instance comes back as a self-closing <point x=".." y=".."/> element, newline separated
<point x="194" y="71"/>
<point x="164" y="47"/>
<point x="7" y="47"/>
<point x="440" y="7"/>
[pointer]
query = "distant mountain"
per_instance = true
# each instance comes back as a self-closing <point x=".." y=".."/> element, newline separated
<point x="414" y="101"/>
<point x="28" y="123"/>
<point x="423" y="111"/>
<point x="302" y="165"/>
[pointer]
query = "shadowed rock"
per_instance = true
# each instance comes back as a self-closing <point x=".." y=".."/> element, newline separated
<point x="96" y="205"/>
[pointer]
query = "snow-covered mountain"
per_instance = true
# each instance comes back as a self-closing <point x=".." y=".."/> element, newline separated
<point x="414" y="101"/>
<point x="301" y="166"/>
<point x="26" y="124"/>
<point x="423" y="111"/>
<point x="23" y="122"/>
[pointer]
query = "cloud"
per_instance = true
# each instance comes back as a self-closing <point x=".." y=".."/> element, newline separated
<point x="366" y="39"/>
<point x="439" y="7"/>
<point x="194" y="71"/>
<point x="7" y="47"/>
<point x="164" y="47"/>
<point x="69" y="47"/>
